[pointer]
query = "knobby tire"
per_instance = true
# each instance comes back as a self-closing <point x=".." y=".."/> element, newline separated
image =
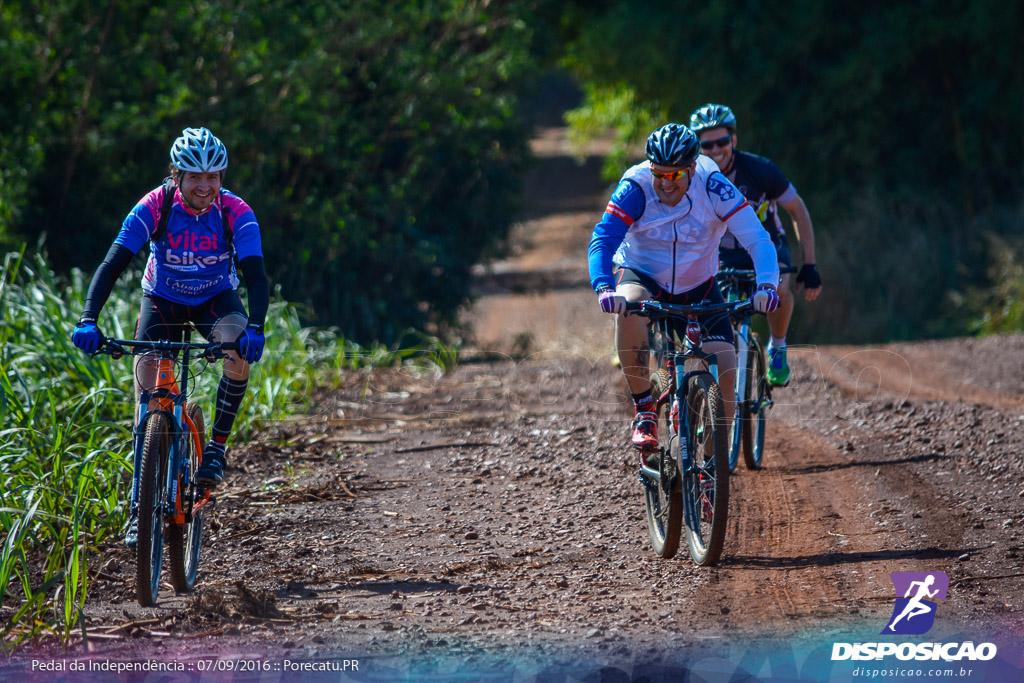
<point x="184" y="541"/>
<point x="156" y="447"/>
<point x="755" y="415"/>
<point x="663" y="500"/>
<point x="707" y="484"/>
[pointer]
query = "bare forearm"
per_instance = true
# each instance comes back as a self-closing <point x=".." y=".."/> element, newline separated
<point x="797" y="211"/>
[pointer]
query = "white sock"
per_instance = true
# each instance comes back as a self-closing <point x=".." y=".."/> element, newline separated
<point x="778" y="342"/>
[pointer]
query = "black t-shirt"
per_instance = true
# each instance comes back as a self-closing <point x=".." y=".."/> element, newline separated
<point x="764" y="185"/>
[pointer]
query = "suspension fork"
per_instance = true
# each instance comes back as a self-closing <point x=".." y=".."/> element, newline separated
<point x="680" y="412"/>
<point x="164" y="393"/>
<point x="742" y="353"/>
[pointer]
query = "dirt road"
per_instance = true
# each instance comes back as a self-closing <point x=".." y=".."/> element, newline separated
<point x="495" y="513"/>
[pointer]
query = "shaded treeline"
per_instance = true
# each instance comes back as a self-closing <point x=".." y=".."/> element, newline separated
<point x="899" y="123"/>
<point x="378" y="142"/>
<point x="382" y="143"/>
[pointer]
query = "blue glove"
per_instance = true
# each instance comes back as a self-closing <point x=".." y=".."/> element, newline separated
<point x="766" y="299"/>
<point x="87" y="335"/>
<point x="250" y="344"/>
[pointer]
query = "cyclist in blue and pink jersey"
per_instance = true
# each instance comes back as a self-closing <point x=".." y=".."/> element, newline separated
<point x="766" y="188"/>
<point x="190" y="277"/>
<point x="658" y="238"/>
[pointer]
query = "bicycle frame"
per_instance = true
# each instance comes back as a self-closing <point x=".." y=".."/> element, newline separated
<point x="737" y="285"/>
<point x="674" y="360"/>
<point x="691" y="485"/>
<point x="169" y="399"/>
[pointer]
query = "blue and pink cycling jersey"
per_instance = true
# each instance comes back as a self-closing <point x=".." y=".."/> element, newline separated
<point x="192" y="262"/>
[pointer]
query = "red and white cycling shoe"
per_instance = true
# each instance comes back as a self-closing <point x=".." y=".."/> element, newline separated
<point x="645" y="431"/>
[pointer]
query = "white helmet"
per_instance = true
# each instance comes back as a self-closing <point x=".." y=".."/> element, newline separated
<point x="197" y="150"/>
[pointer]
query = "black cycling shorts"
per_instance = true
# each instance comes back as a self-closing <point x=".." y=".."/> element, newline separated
<point x="740" y="259"/>
<point x="714" y="326"/>
<point x="163" y="319"/>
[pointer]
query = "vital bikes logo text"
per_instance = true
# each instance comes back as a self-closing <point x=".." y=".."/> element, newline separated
<point x="917" y="597"/>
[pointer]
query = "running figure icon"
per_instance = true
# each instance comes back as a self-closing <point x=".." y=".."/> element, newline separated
<point x="927" y="588"/>
<point x="915" y="607"/>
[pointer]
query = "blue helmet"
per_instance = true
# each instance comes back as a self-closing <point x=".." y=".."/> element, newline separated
<point x="197" y="150"/>
<point x="673" y="145"/>
<point x="712" y="116"/>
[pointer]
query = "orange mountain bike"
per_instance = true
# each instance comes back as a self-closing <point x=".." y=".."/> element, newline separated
<point x="167" y="444"/>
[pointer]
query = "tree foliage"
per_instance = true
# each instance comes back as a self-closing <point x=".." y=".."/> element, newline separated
<point x="899" y="123"/>
<point x="378" y="142"/>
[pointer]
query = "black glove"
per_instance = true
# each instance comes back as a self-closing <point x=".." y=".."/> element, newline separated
<point x="808" y="276"/>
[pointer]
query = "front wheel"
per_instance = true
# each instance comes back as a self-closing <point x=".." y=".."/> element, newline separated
<point x="156" y="448"/>
<point x="184" y="541"/>
<point x="706" y="483"/>
<point x="663" y="499"/>
<point x="755" y="410"/>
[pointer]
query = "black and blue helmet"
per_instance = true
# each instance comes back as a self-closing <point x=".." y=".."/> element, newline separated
<point x="673" y="145"/>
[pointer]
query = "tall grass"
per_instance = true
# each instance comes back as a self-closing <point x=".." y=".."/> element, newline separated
<point x="65" y="424"/>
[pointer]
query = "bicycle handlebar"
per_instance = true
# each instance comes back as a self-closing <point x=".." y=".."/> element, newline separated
<point x="749" y="273"/>
<point x="115" y="348"/>
<point x="657" y="308"/>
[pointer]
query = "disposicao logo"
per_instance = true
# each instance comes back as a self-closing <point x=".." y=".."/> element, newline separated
<point x="914" y="614"/>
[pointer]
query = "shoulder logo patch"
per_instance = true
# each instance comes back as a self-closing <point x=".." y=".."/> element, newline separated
<point x="725" y="191"/>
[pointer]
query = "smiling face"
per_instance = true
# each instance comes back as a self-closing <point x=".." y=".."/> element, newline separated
<point x="719" y="144"/>
<point x="198" y="190"/>
<point x="671" y="182"/>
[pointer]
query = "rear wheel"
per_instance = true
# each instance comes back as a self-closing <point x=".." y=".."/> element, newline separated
<point x="184" y="541"/>
<point x="156" y="448"/>
<point x="755" y="411"/>
<point x="707" y="483"/>
<point x="663" y="499"/>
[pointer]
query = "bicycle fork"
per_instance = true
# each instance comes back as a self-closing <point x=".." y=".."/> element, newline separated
<point x="685" y="465"/>
<point x="742" y="401"/>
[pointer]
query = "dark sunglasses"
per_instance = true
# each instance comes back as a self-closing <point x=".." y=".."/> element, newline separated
<point x="669" y="175"/>
<point x="720" y="142"/>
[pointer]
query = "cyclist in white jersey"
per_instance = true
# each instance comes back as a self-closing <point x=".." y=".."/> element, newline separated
<point x="658" y="238"/>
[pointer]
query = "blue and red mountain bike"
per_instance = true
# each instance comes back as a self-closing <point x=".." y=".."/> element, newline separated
<point x="686" y="481"/>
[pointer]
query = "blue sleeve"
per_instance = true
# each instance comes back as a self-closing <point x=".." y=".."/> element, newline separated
<point x="624" y="208"/>
<point x="140" y="222"/>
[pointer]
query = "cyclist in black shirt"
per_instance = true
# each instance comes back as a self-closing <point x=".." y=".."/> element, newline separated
<point x="765" y="187"/>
